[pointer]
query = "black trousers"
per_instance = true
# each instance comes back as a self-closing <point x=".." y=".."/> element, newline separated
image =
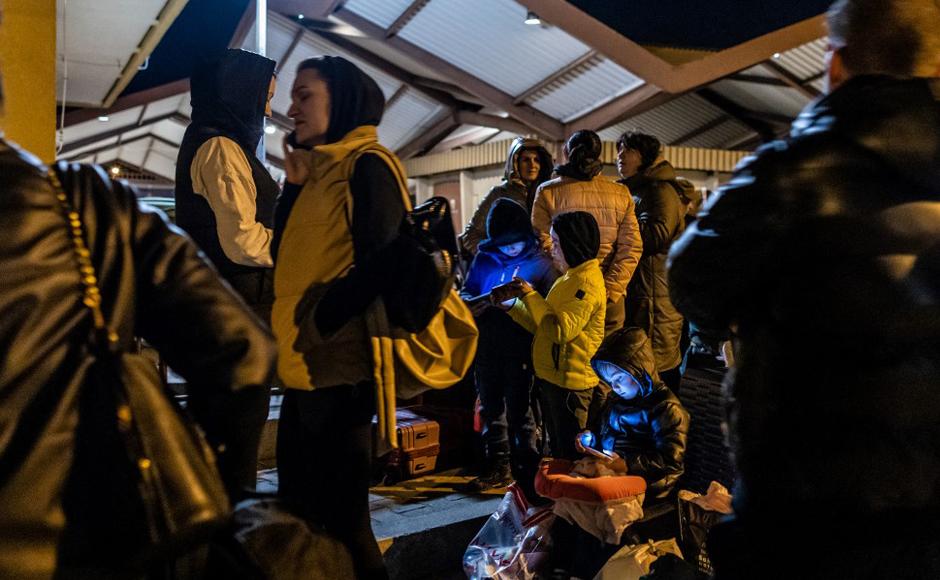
<point x="504" y="384"/>
<point x="324" y="455"/>
<point x="566" y="415"/>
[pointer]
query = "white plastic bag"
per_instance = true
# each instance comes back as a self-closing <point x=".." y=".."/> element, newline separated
<point x="513" y="544"/>
<point x="633" y="562"/>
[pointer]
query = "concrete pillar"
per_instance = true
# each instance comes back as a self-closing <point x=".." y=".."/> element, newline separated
<point x="466" y="195"/>
<point x="423" y="190"/>
<point x="27" y="63"/>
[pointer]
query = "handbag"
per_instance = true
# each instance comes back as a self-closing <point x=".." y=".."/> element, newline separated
<point x="408" y="362"/>
<point x="425" y="252"/>
<point x="144" y="484"/>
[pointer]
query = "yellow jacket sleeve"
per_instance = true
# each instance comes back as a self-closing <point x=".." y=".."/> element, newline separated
<point x="564" y="321"/>
<point x="521" y="314"/>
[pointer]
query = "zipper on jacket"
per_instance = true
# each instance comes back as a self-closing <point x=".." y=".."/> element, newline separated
<point x="556" y="353"/>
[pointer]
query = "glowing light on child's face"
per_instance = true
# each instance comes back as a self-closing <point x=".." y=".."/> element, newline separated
<point x="512" y="250"/>
<point x="620" y="381"/>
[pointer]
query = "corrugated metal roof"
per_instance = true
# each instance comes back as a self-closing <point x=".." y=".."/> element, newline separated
<point x="169" y="130"/>
<point x="807" y="60"/>
<point x="721" y="136"/>
<point x="382" y="12"/>
<point x="488" y="39"/>
<point x="583" y="89"/>
<point x="668" y="122"/>
<point x="767" y="98"/>
<point x="310" y="46"/>
<point x="410" y="115"/>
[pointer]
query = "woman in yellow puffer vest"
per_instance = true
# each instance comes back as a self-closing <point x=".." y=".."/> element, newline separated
<point x="337" y="217"/>
<point x="568" y="325"/>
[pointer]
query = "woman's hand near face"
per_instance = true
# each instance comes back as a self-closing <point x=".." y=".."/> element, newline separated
<point x="296" y="164"/>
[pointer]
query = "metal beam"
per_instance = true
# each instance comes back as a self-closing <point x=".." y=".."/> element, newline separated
<point x="244" y="26"/>
<point x="103" y="148"/>
<point x="701" y="130"/>
<point x="501" y="123"/>
<point x="399" y="93"/>
<point x="673" y="78"/>
<point x="405" y="17"/>
<point x="766" y="130"/>
<point x="571" y="66"/>
<point x="639" y="100"/>
<point x="431" y="137"/>
<point x="298" y="36"/>
<point x="316" y="9"/>
<point x="542" y="123"/>
<point x="129" y="102"/>
<point x="150" y="41"/>
<point x="115" y="132"/>
<point x="791" y="80"/>
<point x="438" y="94"/>
<point x="756" y="79"/>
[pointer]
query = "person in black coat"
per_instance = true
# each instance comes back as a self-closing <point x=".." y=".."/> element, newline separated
<point x="823" y="255"/>
<point x="642" y="423"/>
<point x="503" y="367"/>
<point x="155" y="284"/>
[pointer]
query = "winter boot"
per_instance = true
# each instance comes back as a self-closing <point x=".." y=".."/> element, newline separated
<point x="496" y="475"/>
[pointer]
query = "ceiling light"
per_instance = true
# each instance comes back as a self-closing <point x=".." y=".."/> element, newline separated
<point x="300" y="17"/>
<point x="115" y="170"/>
<point x="270" y="129"/>
<point x="104" y="118"/>
<point x="776" y="55"/>
<point x="532" y="19"/>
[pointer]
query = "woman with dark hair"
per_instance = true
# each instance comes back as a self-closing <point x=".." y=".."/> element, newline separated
<point x="340" y="210"/>
<point x="580" y="187"/>
<point x="660" y="212"/>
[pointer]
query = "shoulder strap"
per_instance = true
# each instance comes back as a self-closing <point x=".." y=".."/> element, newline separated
<point x="106" y="339"/>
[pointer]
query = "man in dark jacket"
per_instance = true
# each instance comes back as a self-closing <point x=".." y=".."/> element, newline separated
<point x="528" y="165"/>
<point x="503" y="368"/>
<point x="643" y="422"/>
<point x="823" y="254"/>
<point x="224" y="194"/>
<point x="154" y="284"/>
<point x="661" y="214"/>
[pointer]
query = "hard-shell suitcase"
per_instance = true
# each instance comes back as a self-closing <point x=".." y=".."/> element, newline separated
<point x="418" y="442"/>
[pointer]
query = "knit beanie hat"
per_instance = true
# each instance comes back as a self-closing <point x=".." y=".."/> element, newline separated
<point x="507" y="223"/>
<point x="579" y="236"/>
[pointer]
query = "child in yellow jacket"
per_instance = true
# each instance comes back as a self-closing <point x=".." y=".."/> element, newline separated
<point x="568" y="325"/>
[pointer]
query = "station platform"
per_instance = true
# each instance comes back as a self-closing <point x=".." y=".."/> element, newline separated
<point x="422" y="525"/>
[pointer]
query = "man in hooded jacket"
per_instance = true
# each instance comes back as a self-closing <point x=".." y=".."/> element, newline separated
<point x="528" y="165"/>
<point x="224" y="194"/>
<point x="823" y="255"/>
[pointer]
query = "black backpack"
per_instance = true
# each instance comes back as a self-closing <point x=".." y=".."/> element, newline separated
<point x="425" y="254"/>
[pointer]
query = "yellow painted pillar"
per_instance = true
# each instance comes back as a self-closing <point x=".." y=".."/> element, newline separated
<point x="27" y="63"/>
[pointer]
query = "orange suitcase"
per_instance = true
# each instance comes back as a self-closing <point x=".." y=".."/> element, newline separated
<point x="418" y="441"/>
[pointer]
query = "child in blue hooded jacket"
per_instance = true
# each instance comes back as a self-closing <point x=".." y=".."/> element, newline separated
<point x="503" y="368"/>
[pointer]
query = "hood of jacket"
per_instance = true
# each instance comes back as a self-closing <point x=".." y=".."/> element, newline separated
<point x="520" y="144"/>
<point x="507" y="223"/>
<point x="229" y="96"/>
<point x="355" y="98"/>
<point x="660" y="170"/>
<point x="631" y="350"/>
<point x="896" y="120"/>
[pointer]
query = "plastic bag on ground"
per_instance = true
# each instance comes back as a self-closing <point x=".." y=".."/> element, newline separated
<point x="513" y="544"/>
<point x="633" y="562"/>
